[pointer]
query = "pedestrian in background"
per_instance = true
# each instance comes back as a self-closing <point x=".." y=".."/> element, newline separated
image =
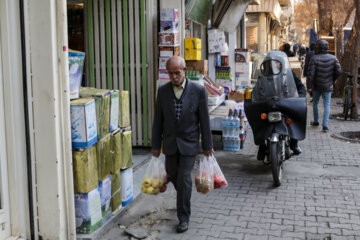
<point x="308" y="56"/>
<point x="181" y="114"/>
<point x="324" y="69"/>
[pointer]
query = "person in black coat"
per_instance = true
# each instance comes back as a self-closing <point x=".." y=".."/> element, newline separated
<point x="181" y="115"/>
<point x="324" y="69"/>
<point x="308" y="56"/>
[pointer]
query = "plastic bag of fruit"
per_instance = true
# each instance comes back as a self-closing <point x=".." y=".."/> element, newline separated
<point x="155" y="178"/>
<point x="219" y="178"/>
<point x="204" y="179"/>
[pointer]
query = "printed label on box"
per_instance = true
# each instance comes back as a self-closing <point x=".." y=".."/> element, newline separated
<point x="127" y="192"/>
<point x="83" y="125"/>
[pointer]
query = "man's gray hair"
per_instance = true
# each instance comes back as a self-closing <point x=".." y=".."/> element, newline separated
<point x="178" y="58"/>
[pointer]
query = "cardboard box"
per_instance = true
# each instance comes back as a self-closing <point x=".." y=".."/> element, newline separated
<point x="169" y="14"/>
<point x="169" y="39"/>
<point x="127" y="191"/>
<point x="191" y="54"/>
<point x="83" y="122"/>
<point x="116" y="201"/>
<point x="115" y="182"/>
<point x="105" y="198"/>
<point x="103" y="157"/>
<point x="236" y="96"/>
<point x="162" y="62"/>
<point x="243" y="68"/>
<point x="85" y="170"/>
<point x="192" y="48"/>
<point x="228" y="83"/>
<point x="115" y="151"/>
<point x="102" y="102"/>
<point x="114" y="110"/>
<point x="88" y="211"/>
<point x="242" y="55"/>
<point x="76" y="64"/>
<point x="192" y="43"/>
<point x="197" y="65"/>
<point x="169" y="26"/>
<point x="169" y="51"/>
<point x="124" y="111"/>
<point x="126" y="150"/>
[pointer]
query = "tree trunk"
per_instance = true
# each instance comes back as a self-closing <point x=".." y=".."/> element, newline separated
<point x="350" y="61"/>
<point x="339" y="38"/>
<point x="325" y="19"/>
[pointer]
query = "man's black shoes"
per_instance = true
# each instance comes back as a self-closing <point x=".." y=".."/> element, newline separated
<point x="314" y="124"/>
<point x="261" y="153"/>
<point x="296" y="150"/>
<point x="182" y="227"/>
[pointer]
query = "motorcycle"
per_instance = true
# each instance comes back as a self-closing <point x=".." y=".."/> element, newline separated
<point x="275" y="111"/>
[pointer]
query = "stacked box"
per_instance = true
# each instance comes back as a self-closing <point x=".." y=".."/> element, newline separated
<point x="124" y="110"/>
<point x="197" y="65"/>
<point x="115" y="151"/>
<point x="169" y="39"/>
<point x="169" y="51"/>
<point x="192" y="48"/>
<point x="76" y="63"/>
<point x="102" y="101"/>
<point x="103" y="157"/>
<point x="127" y="192"/>
<point x="243" y="74"/>
<point x="242" y="55"/>
<point x="169" y="26"/>
<point x="85" y="170"/>
<point x="83" y="122"/>
<point x="88" y="211"/>
<point x="105" y="198"/>
<point x="114" y="110"/>
<point x="126" y="150"/>
<point x="115" y="191"/>
<point x="169" y="14"/>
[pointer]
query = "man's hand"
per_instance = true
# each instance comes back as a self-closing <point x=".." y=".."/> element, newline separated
<point x="309" y="90"/>
<point x="155" y="152"/>
<point x="208" y="152"/>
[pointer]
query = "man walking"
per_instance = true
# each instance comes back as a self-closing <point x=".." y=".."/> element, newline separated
<point x="181" y="114"/>
<point x="308" y="57"/>
<point x="324" y="69"/>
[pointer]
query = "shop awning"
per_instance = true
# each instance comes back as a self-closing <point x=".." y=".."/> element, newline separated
<point x="226" y="15"/>
<point x="268" y="6"/>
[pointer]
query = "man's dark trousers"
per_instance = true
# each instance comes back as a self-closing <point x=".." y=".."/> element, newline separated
<point x="178" y="168"/>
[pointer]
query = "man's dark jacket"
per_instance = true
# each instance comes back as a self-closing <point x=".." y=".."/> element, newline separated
<point x="324" y="69"/>
<point x="182" y="135"/>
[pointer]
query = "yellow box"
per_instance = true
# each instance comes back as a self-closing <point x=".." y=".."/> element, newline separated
<point x="192" y="54"/>
<point x="193" y="43"/>
<point x="85" y="170"/>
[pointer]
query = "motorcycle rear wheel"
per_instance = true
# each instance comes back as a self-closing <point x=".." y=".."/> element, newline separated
<point x="276" y="164"/>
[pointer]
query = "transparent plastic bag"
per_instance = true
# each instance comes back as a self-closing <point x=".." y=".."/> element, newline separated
<point x="204" y="179"/>
<point x="219" y="178"/>
<point x="155" y="178"/>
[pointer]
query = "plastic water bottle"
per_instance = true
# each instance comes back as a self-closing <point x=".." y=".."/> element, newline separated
<point x="242" y="137"/>
<point x="236" y="125"/>
<point x="236" y="143"/>
<point x="226" y="124"/>
<point x="227" y="143"/>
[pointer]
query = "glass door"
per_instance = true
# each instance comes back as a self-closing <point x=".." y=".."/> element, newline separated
<point x="4" y="191"/>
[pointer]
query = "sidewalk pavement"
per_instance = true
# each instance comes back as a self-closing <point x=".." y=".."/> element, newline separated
<point x="319" y="197"/>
